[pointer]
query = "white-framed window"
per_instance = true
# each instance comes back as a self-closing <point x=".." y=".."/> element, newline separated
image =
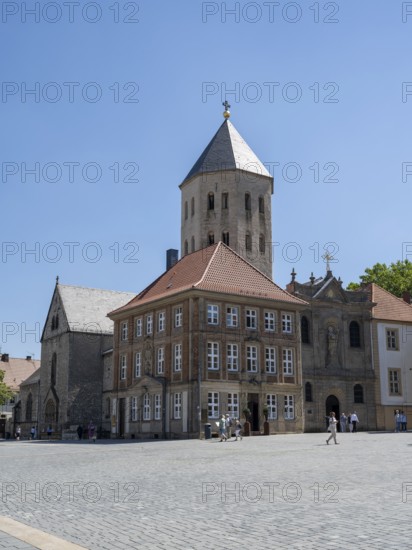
<point x="394" y="378"/>
<point x="213" y="404"/>
<point x="251" y="359"/>
<point x="270" y="321"/>
<point x="251" y="319"/>
<point x="124" y="330"/>
<point x="213" y="355"/>
<point x="289" y="408"/>
<point x="212" y="314"/>
<point x="177" y="406"/>
<point x="232" y="357"/>
<point x="392" y="339"/>
<point x="178" y="317"/>
<point x="134" y="409"/>
<point x="177" y="357"/>
<point x="287" y="323"/>
<point x="138" y="327"/>
<point x="232" y="317"/>
<point x="233" y="405"/>
<point x="287" y="361"/>
<point x="270" y="360"/>
<point x="161" y="321"/>
<point x="123" y="367"/>
<point x="157" y="406"/>
<point x="146" y="406"/>
<point x="149" y="324"/>
<point x="272" y="405"/>
<point x="138" y="364"/>
<point x="160" y="360"/>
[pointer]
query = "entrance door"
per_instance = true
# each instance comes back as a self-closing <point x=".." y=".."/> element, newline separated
<point x="122" y="416"/>
<point x="332" y="405"/>
<point x="253" y="406"/>
<point x="2" y="428"/>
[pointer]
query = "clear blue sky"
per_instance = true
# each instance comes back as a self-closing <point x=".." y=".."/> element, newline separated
<point x="177" y="60"/>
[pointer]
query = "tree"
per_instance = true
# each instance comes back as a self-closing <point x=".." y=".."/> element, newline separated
<point x="396" y="278"/>
<point x="5" y="391"/>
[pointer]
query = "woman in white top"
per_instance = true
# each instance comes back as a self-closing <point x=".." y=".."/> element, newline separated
<point x="332" y="428"/>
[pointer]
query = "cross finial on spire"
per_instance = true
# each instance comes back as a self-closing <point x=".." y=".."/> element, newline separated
<point x="327" y="257"/>
<point x="57" y="280"/>
<point x="226" y="105"/>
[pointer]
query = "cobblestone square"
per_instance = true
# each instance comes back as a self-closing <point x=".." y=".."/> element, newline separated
<point x="285" y="491"/>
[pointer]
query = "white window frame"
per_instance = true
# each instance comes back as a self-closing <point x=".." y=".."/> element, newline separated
<point x="177" y="406"/>
<point x="123" y="367"/>
<point x="213" y="404"/>
<point x="272" y="405"/>
<point x="270" y="321"/>
<point x="394" y="382"/>
<point x="177" y="357"/>
<point x="233" y="405"/>
<point x="134" y="409"/>
<point x="213" y="355"/>
<point x="392" y="339"/>
<point x="232" y="316"/>
<point x="287" y="361"/>
<point x="149" y="324"/>
<point x="160" y="365"/>
<point x="212" y="314"/>
<point x="139" y="327"/>
<point x="146" y="407"/>
<point x="161" y="321"/>
<point x="270" y="360"/>
<point x="251" y="319"/>
<point x="252" y="355"/>
<point x="178" y="316"/>
<point x="287" y="323"/>
<point x="124" y="331"/>
<point x="232" y="357"/>
<point x="138" y="364"/>
<point x="289" y="407"/>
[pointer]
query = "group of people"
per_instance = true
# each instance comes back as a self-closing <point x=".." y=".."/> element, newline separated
<point x="400" y="421"/>
<point x="226" y="425"/>
<point x="91" y="431"/>
<point x="351" y="420"/>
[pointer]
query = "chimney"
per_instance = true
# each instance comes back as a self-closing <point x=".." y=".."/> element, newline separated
<point x="406" y="296"/>
<point x="172" y="257"/>
<point x="5" y="357"/>
<point x="28" y="357"/>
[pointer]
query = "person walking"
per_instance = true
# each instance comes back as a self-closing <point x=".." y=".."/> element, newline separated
<point x="343" y="422"/>
<point x="349" y="417"/>
<point x="403" y="421"/>
<point x="354" y="419"/>
<point x="91" y="431"/>
<point x="332" y="428"/>
<point x="238" y="429"/>
<point x="49" y="431"/>
<point x="80" y="431"/>
<point x="222" y="428"/>
<point x="397" y="421"/>
<point x="229" y="424"/>
<point x="18" y="433"/>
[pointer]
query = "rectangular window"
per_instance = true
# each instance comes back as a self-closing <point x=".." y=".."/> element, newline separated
<point x="395" y="382"/>
<point x="124" y="331"/>
<point x="134" y="409"/>
<point x="251" y="359"/>
<point x="177" y="357"/>
<point x="289" y="410"/>
<point x="213" y="355"/>
<point x="212" y="314"/>
<point x="232" y="357"/>
<point x="158" y="406"/>
<point x="233" y="405"/>
<point x="271" y="403"/>
<point x="177" y="406"/>
<point x="391" y="339"/>
<point x="288" y="362"/>
<point x="161" y="321"/>
<point x="146" y="407"/>
<point x="213" y="405"/>
<point x="138" y="364"/>
<point x="286" y="323"/>
<point x="270" y="360"/>
<point x="123" y="367"/>
<point x="178" y="317"/>
<point x="232" y="317"/>
<point x="149" y="324"/>
<point x="139" y="327"/>
<point x="160" y="360"/>
<point x="251" y="319"/>
<point x="270" y="319"/>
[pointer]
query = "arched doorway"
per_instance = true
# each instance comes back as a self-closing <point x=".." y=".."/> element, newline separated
<point x="332" y="404"/>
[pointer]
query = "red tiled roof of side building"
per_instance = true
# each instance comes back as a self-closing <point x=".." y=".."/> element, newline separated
<point x="388" y="307"/>
<point x="17" y="370"/>
<point x="216" y="268"/>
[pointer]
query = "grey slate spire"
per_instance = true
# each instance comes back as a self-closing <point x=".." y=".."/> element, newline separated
<point x="227" y="150"/>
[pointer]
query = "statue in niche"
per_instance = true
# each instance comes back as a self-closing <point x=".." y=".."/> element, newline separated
<point x="332" y="341"/>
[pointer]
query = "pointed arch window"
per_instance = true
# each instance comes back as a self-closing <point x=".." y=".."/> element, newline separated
<point x="358" y="393"/>
<point x="225" y="237"/>
<point x="211" y="201"/>
<point x="186" y="210"/>
<point x="304" y="330"/>
<point x="262" y="244"/>
<point x="192" y="207"/>
<point x="248" y="202"/>
<point x="354" y="335"/>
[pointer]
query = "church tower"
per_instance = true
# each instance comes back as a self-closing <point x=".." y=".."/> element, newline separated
<point x="226" y="197"/>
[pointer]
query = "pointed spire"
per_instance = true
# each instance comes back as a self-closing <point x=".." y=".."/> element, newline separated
<point x="57" y="280"/>
<point x="293" y="275"/>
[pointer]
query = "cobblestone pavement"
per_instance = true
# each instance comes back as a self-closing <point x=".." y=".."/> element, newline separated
<point x="285" y="491"/>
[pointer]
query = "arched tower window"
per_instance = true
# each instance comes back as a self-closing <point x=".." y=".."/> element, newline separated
<point x="53" y="370"/>
<point x="248" y="202"/>
<point x="262" y="243"/>
<point x="211" y="201"/>
<point x="186" y="210"/>
<point x="186" y="248"/>
<point x="192" y="208"/>
<point x="225" y="237"/>
<point x="193" y="244"/>
<point x="29" y="407"/>
<point x="357" y="393"/>
<point x="248" y="242"/>
<point x="304" y="330"/>
<point x="354" y="334"/>
<point x="308" y="392"/>
<point x="261" y="205"/>
<point x="211" y="238"/>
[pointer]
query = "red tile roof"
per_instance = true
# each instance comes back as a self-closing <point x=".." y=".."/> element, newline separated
<point x="216" y="268"/>
<point x="17" y="370"/>
<point x="389" y="307"/>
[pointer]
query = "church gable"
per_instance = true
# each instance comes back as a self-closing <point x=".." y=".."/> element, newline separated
<point x="331" y="290"/>
<point x="56" y="321"/>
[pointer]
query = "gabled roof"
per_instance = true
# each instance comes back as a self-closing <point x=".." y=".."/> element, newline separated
<point x="17" y="370"/>
<point x="216" y="268"/>
<point x="388" y="307"/>
<point x="227" y="151"/>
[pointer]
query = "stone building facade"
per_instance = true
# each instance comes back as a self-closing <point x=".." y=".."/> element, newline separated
<point x="211" y="336"/>
<point x="337" y="368"/>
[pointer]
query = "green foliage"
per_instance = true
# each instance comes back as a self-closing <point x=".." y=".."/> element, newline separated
<point x="396" y="278"/>
<point x="5" y="391"/>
